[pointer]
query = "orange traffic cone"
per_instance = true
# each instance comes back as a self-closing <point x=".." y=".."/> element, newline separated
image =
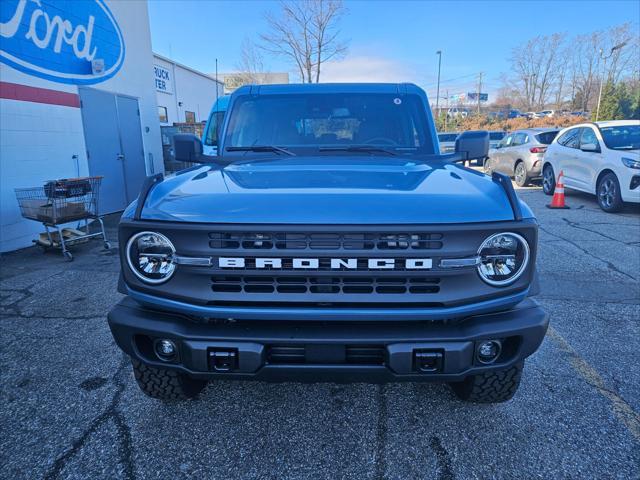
<point x="558" y="194"/>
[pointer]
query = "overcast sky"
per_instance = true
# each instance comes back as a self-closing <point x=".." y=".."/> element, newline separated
<point x="388" y="40"/>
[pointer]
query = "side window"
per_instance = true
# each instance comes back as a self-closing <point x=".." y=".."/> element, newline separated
<point x="519" y="139"/>
<point x="588" y="137"/>
<point x="506" y="141"/>
<point x="571" y="138"/>
<point x="213" y="132"/>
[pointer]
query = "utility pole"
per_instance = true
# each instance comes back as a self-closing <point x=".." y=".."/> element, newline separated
<point x="479" y="90"/>
<point x="604" y="69"/>
<point x="446" y="115"/>
<point x="439" y="53"/>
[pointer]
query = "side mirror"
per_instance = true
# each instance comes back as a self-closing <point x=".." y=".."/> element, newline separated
<point x="473" y="145"/>
<point x="186" y="147"/>
<point x="590" y="147"/>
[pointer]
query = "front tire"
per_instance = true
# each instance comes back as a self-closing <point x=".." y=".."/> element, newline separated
<point x="487" y="167"/>
<point x="491" y="387"/>
<point x="608" y="193"/>
<point x="548" y="180"/>
<point x="163" y="384"/>
<point x="520" y="175"/>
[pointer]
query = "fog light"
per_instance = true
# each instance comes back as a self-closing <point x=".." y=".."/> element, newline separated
<point x="165" y="349"/>
<point x="489" y="351"/>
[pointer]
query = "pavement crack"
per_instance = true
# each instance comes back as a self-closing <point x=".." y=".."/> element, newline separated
<point x="609" y="265"/>
<point x="381" y="432"/>
<point x="443" y="458"/>
<point x="580" y="227"/>
<point x="112" y="413"/>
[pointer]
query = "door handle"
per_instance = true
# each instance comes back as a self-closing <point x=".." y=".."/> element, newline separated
<point x="120" y="156"/>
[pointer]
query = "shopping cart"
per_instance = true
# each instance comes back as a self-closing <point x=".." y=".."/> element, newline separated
<point x="63" y="201"/>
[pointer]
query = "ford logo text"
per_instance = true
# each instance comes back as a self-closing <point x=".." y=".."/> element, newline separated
<point x="79" y="43"/>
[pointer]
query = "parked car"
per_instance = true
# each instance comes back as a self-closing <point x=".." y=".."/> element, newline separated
<point x="514" y="113"/>
<point x="520" y="154"/>
<point x="579" y="114"/>
<point x="602" y="158"/>
<point x="545" y="113"/>
<point x="210" y="138"/>
<point x="447" y="141"/>
<point x="455" y="112"/>
<point x="329" y="241"/>
<point x="529" y="115"/>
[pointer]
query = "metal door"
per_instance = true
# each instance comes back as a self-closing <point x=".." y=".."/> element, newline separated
<point x="113" y="140"/>
<point x="131" y="143"/>
<point x="102" y="139"/>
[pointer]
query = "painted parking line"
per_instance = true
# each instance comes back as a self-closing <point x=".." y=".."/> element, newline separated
<point x="621" y="409"/>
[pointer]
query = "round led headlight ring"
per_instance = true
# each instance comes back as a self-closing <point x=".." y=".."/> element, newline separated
<point x="503" y="258"/>
<point x="150" y="256"/>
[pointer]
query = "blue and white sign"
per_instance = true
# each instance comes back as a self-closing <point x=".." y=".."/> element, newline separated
<point x="60" y="41"/>
<point x="163" y="80"/>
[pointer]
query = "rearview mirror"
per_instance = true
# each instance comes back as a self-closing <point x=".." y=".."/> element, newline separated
<point x="186" y="147"/>
<point x="473" y="145"/>
<point x="590" y="147"/>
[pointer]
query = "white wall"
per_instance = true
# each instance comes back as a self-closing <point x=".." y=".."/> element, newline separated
<point x="38" y="141"/>
<point x="196" y="91"/>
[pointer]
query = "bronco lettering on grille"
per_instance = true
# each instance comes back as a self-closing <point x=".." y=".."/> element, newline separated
<point x="335" y="263"/>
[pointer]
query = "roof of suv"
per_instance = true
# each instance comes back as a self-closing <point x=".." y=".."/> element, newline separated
<point x="617" y="123"/>
<point x="399" y="88"/>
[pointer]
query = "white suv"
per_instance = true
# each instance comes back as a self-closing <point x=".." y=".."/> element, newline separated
<point x="602" y="158"/>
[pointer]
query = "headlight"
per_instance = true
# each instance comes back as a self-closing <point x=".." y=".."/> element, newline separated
<point x="630" y="162"/>
<point x="503" y="258"/>
<point x="150" y="256"/>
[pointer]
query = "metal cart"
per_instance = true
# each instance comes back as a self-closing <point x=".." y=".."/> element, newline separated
<point x="59" y="202"/>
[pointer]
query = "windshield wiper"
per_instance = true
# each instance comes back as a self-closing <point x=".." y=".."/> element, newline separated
<point x="357" y="148"/>
<point x="261" y="148"/>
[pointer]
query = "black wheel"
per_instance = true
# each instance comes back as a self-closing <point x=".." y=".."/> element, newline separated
<point x="608" y="193"/>
<point x="548" y="180"/>
<point x="487" y="167"/>
<point x="165" y="384"/>
<point x="491" y="387"/>
<point x="67" y="256"/>
<point x="520" y="174"/>
<point x="107" y="246"/>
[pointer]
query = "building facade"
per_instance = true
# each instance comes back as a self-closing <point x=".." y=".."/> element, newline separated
<point x="76" y="99"/>
<point x="184" y="95"/>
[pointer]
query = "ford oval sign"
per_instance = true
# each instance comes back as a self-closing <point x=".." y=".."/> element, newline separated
<point x="61" y="41"/>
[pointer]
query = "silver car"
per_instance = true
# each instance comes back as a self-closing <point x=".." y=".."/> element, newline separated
<point x="520" y="154"/>
<point x="447" y="141"/>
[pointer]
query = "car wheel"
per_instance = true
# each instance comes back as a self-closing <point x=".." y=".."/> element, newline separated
<point x="548" y="180"/>
<point x="491" y="387"/>
<point x="488" y="167"/>
<point x="520" y="175"/>
<point x="608" y="193"/>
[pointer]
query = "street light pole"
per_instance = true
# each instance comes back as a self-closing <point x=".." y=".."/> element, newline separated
<point x="439" y="53"/>
<point x="604" y="69"/>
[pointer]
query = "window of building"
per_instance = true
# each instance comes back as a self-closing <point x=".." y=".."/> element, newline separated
<point x="162" y="114"/>
<point x="190" y="117"/>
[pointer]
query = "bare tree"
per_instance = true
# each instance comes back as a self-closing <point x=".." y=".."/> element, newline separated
<point x="306" y="32"/>
<point x="251" y="65"/>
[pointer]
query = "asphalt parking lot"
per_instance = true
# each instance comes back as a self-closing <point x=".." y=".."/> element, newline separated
<point x="70" y="407"/>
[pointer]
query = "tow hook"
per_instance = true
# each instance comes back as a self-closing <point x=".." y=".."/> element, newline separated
<point x="427" y="361"/>
<point x="223" y="360"/>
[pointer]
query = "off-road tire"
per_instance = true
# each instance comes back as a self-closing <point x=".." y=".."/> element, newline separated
<point x="165" y="384"/>
<point x="491" y="387"/>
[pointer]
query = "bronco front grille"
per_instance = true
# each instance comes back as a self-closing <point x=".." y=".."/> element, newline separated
<point x="324" y="241"/>
<point x="324" y="285"/>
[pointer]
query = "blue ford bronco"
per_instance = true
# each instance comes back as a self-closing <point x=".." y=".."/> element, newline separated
<point x="328" y="240"/>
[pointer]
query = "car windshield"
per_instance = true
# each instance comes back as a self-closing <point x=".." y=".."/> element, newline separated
<point x="621" y="137"/>
<point x="303" y="121"/>
<point x="546" y="137"/>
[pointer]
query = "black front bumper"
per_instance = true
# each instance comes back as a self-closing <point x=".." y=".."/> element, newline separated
<point x="331" y="351"/>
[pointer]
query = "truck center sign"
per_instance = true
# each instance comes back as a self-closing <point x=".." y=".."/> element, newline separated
<point x="163" y="79"/>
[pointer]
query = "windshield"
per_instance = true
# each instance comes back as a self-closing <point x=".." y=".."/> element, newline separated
<point x="299" y="121"/>
<point x="621" y="137"/>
